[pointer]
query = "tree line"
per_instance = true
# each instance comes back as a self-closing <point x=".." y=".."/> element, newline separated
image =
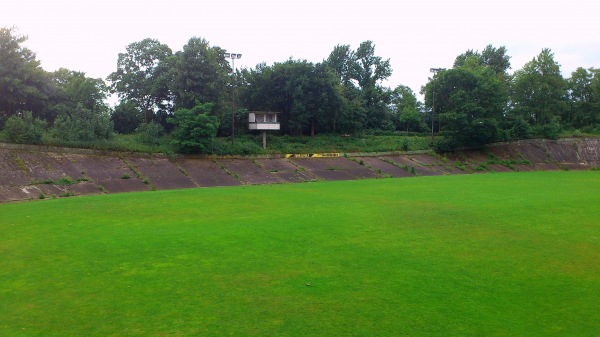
<point x="191" y="94"/>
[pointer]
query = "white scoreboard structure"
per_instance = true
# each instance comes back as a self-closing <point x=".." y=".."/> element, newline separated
<point x="263" y="121"/>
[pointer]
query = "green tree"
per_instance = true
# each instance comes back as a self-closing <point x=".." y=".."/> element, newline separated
<point x="200" y="74"/>
<point x="306" y="95"/>
<point x="364" y="71"/>
<point x="353" y="113"/>
<point x="24" y="128"/>
<point x="370" y="72"/>
<point x="195" y="129"/>
<point x="584" y="99"/>
<point x="496" y="59"/>
<point x="24" y="85"/>
<point x="82" y="124"/>
<point x="405" y="108"/>
<point x="491" y="57"/>
<point x="150" y="133"/>
<point x="469" y="102"/>
<point x="342" y="61"/>
<point x="73" y="88"/>
<point x="142" y="77"/>
<point x="126" y="117"/>
<point x="539" y="90"/>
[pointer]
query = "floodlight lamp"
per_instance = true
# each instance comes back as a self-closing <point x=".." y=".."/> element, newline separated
<point x="227" y="55"/>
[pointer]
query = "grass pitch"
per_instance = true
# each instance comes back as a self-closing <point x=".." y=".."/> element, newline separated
<point x="513" y="254"/>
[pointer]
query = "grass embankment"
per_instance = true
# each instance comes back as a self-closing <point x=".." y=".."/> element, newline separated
<point x="248" y="144"/>
<point x="468" y="255"/>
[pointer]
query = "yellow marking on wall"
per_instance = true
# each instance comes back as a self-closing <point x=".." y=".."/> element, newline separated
<point x="312" y="155"/>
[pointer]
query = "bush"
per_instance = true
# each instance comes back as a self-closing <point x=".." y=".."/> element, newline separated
<point x="519" y="128"/>
<point x="150" y="133"/>
<point x="82" y="124"/>
<point x="552" y="129"/>
<point x="127" y="117"/>
<point x="24" y="129"/>
<point x="195" y="129"/>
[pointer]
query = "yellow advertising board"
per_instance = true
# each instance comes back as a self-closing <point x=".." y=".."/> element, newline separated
<point x="312" y="155"/>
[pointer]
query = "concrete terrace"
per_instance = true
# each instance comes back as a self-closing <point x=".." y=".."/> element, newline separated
<point x="30" y="172"/>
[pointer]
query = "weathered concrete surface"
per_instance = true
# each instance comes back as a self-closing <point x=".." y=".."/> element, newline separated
<point x="248" y="171"/>
<point x="285" y="170"/>
<point x="382" y="166"/>
<point x="29" y="172"/>
<point x="206" y="173"/>
<point x="160" y="172"/>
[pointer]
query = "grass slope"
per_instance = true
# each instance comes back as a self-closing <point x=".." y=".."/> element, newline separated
<point x="468" y="255"/>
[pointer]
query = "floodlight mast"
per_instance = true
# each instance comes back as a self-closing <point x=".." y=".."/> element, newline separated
<point x="434" y="71"/>
<point x="232" y="56"/>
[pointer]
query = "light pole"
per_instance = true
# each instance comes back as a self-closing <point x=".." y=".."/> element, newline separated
<point x="434" y="71"/>
<point x="232" y="56"/>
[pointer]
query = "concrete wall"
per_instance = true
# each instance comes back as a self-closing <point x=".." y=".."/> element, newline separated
<point x="30" y="172"/>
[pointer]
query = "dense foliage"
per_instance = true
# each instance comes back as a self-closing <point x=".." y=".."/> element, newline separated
<point x="474" y="103"/>
<point x="195" y="129"/>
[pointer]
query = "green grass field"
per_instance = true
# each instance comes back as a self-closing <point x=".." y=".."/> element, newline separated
<point x="514" y="254"/>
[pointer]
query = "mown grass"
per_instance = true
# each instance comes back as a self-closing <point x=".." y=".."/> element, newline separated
<point x="468" y="255"/>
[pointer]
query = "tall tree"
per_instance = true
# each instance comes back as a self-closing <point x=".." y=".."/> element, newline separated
<point x="305" y="94"/>
<point x="73" y="87"/>
<point x="142" y="77"/>
<point x="406" y="109"/>
<point x="200" y="75"/>
<point x="584" y="99"/>
<point x="342" y="61"/>
<point x="469" y="102"/>
<point x="496" y="59"/>
<point x="539" y="90"/>
<point x="361" y="72"/>
<point x="352" y="116"/>
<point x="126" y="117"/>
<point x="24" y="85"/>
<point x="491" y="57"/>
<point x="370" y="72"/>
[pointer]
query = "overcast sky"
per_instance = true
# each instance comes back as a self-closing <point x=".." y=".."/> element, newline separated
<point x="415" y="35"/>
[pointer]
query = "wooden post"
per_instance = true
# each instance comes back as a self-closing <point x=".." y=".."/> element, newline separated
<point x="264" y="139"/>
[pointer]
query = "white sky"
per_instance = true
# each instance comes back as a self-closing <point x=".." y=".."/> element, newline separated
<point x="415" y="35"/>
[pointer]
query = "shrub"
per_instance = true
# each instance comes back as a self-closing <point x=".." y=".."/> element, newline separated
<point x="24" y="129"/>
<point x="195" y="129"/>
<point x="82" y="124"/>
<point x="552" y="129"/>
<point x="150" y="133"/>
